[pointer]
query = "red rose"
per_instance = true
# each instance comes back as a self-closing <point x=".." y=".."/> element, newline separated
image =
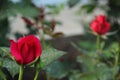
<point x="26" y="20"/>
<point x="26" y="49"/>
<point x="100" y="25"/>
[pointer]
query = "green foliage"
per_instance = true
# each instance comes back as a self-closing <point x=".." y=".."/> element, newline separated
<point x="88" y="8"/>
<point x="4" y="28"/>
<point x="11" y="65"/>
<point x="72" y="3"/>
<point x="57" y="70"/>
<point x="28" y="11"/>
<point x="94" y="69"/>
<point x="60" y="69"/>
<point x="8" y="8"/>
<point x="8" y="63"/>
<point x="84" y="76"/>
<point x="4" y="52"/>
<point x="84" y="46"/>
<point x="55" y="9"/>
<point x="94" y="66"/>
<point x="2" y="76"/>
<point x="50" y="55"/>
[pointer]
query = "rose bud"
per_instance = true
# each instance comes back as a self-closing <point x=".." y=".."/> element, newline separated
<point x="27" y="21"/>
<point x="100" y="25"/>
<point x="26" y="49"/>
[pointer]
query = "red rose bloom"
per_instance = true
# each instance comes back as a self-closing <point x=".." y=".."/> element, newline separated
<point x="26" y="49"/>
<point x="100" y="25"/>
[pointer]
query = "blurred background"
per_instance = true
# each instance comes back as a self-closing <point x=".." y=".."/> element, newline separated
<point x="71" y="17"/>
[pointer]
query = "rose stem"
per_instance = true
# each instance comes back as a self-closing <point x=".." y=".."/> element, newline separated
<point x="2" y="75"/>
<point x="116" y="61"/>
<point x="21" y="72"/>
<point x="98" y="43"/>
<point x="36" y="74"/>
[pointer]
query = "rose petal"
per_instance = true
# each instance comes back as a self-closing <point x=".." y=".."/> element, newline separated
<point x="37" y="47"/>
<point x="15" y="52"/>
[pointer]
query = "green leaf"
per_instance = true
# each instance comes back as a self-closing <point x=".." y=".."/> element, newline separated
<point x="2" y="75"/>
<point x="8" y="63"/>
<point x="50" y="55"/>
<point x="82" y="76"/>
<point x="11" y="65"/>
<point x="87" y="45"/>
<point x="28" y="11"/>
<point x="84" y="46"/>
<point x="91" y="67"/>
<point x="103" y="72"/>
<point x="4" y="51"/>
<point x="78" y="48"/>
<point x="12" y="9"/>
<point x="55" y="9"/>
<point x="88" y="63"/>
<point x="88" y="8"/>
<point x="72" y="3"/>
<point x="57" y="70"/>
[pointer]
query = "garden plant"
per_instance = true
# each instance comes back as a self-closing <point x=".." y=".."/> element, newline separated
<point x="31" y="57"/>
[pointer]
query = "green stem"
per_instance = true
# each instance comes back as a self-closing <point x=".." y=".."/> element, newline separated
<point x="36" y="74"/>
<point x="21" y="72"/>
<point x="2" y="75"/>
<point x="115" y="65"/>
<point x="38" y="67"/>
<point x="116" y="62"/>
<point x="98" y="43"/>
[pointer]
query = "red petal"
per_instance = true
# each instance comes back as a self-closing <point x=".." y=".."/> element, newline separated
<point x="101" y="19"/>
<point x="95" y="27"/>
<point x="38" y="47"/>
<point x="30" y="57"/>
<point x="106" y="28"/>
<point x="15" y="52"/>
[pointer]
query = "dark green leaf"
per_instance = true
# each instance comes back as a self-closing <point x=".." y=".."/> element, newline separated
<point x="88" y="8"/>
<point x="84" y="46"/>
<point x="103" y="72"/>
<point x="55" y="9"/>
<point x="4" y="51"/>
<point x="57" y="70"/>
<point x="11" y="65"/>
<point x="83" y="76"/>
<point x="87" y="45"/>
<point x="8" y="63"/>
<point x="28" y="11"/>
<point x="23" y="7"/>
<point x="50" y="55"/>
<point x="72" y="3"/>
<point x="88" y="63"/>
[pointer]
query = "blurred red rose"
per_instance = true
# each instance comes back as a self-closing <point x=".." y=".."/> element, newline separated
<point x="27" y="21"/>
<point x="100" y="25"/>
<point x="26" y="49"/>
